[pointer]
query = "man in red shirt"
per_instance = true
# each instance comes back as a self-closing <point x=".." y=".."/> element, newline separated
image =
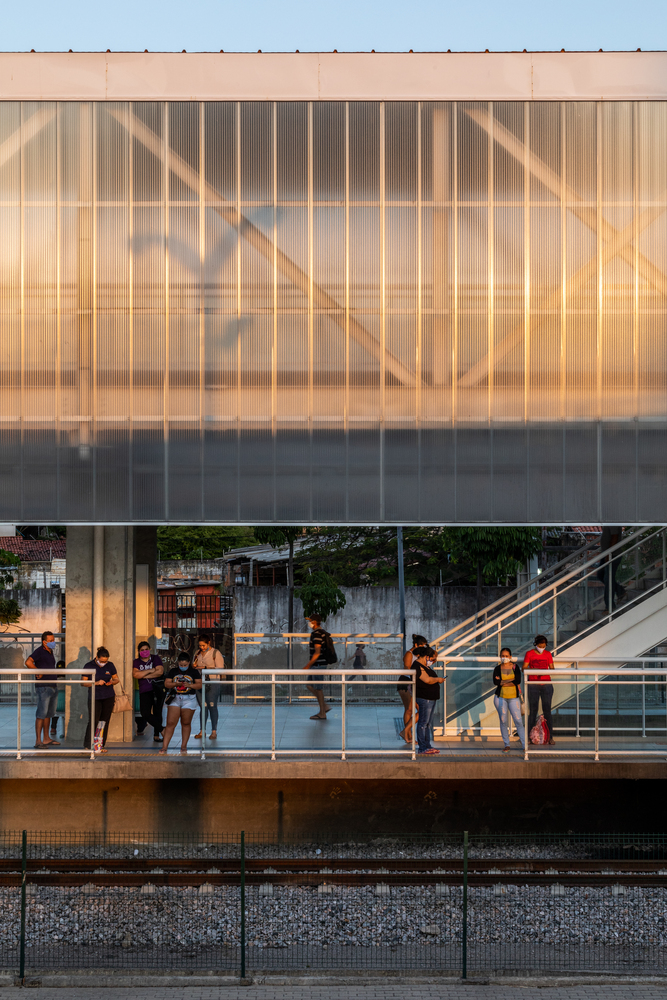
<point x="540" y="686"/>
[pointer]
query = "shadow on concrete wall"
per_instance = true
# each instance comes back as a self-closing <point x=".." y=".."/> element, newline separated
<point x="78" y="700"/>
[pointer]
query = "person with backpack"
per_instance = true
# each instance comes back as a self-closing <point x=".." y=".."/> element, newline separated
<point x="321" y="653"/>
<point x="507" y="699"/>
<point x="540" y="686"/>
<point x="405" y="690"/>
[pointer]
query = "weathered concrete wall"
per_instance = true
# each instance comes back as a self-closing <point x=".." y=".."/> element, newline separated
<point x="41" y="608"/>
<point x="429" y="611"/>
<point x="190" y="569"/>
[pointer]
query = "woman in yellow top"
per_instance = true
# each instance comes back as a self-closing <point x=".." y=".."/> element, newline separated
<point x="508" y="698"/>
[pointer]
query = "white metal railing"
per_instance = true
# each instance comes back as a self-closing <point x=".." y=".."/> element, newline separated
<point x="290" y="650"/>
<point x="539" y="610"/>
<point x="26" y="676"/>
<point x="593" y="674"/>
<point x="290" y="678"/>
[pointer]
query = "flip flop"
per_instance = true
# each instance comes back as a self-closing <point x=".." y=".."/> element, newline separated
<point x="52" y="743"/>
<point x="162" y="751"/>
<point x="39" y="746"/>
<point x="322" y="718"/>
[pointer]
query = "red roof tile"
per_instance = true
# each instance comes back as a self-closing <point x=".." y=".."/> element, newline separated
<point x="34" y="550"/>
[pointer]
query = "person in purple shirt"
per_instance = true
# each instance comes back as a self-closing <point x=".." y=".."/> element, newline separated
<point x="46" y="688"/>
<point x="148" y="669"/>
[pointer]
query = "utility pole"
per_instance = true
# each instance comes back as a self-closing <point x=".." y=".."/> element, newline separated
<point x="401" y="585"/>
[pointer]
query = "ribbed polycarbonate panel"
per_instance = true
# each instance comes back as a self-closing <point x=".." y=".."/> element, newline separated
<point x="333" y="312"/>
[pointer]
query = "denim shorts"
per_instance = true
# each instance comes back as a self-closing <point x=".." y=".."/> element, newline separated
<point x="313" y="681"/>
<point x="46" y="702"/>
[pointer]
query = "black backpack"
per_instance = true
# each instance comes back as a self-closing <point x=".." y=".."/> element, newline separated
<point x="329" y="650"/>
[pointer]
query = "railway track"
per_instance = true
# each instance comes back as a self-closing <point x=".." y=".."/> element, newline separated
<point x="270" y="866"/>
<point x="342" y="871"/>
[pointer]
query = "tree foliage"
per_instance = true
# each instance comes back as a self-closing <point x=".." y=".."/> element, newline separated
<point x="10" y="611"/>
<point x="359" y="555"/>
<point x="193" y="542"/>
<point x="320" y="595"/>
<point x="501" y="552"/>
<point x="276" y="537"/>
<point x="7" y="560"/>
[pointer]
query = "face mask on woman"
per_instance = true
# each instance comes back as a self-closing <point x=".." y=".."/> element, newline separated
<point x="540" y="649"/>
<point x="505" y="659"/>
<point x="145" y="654"/>
<point x="101" y="663"/>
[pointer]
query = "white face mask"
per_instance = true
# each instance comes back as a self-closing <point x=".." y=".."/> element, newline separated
<point x="540" y="649"/>
<point x="505" y="659"/>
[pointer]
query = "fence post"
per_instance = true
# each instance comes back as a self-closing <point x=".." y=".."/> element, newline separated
<point x="242" y="904"/>
<point x="24" y="866"/>
<point x="464" y="919"/>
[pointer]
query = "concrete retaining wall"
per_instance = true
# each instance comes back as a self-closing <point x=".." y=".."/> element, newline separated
<point x="430" y="611"/>
<point x="41" y="608"/>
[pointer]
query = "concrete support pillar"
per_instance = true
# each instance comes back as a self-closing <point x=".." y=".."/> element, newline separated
<point x="103" y="566"/>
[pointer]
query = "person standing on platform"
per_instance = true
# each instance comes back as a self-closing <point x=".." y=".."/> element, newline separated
<point x="428" y="693"/>
<point x="540" y="686"/>
<point x="148" y="670"/>
<point x="106" y="678"/>
<point x="43" y="660"/>
<point x="405" y="690"/>
<point x="209" y="658"/>
<point x="182" y="683"/>
<point x="317" y="658"/>
<point x="507" y="699"/>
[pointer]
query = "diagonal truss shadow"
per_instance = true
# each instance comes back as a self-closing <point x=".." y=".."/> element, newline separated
<point x="617" y="242"/>
<point x="264" y="246"/>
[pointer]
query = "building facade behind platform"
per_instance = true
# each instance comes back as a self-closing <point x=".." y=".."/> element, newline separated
<point x="333" y="288"/>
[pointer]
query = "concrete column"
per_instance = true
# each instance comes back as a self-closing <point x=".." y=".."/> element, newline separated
<point x="102" y="565"/>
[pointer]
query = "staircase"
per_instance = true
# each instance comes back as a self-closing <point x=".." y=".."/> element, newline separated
<point x="567" y="604"/>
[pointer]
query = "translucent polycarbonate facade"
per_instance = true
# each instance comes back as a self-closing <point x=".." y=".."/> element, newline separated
<point x="333" y="312"/>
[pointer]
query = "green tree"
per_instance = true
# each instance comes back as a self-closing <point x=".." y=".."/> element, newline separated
<point x="10" y="612"/>
<point x="276" y="538"/>
<point x="7" y="559"/>
<point x="195" y="542"/>
<point x="496" y="552"/>
<point x="320" y="595"/>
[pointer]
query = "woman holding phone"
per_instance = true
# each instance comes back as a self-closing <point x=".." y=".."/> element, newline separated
<point x="181" y="683"/>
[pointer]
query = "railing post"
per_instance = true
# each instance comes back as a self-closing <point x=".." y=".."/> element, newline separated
<point x="414" y="709"/>
<point x="92" y="715"/>
<point x="202" y="754"/>
<point x="464" y="915"/>
<point x="597" y="726"/>
<point x="273" y="716"/>
<point x="342" y="714"/>
<point x="24" y="868"/>
<point x="18" y="714"/>
<point x="576" y="688"/>
<point x="643" y="699"/>
<point x="242" y="904"/>
<point x="525" y="717"/>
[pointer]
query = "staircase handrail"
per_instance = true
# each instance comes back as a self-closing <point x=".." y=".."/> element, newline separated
<point x="636" y="538"/>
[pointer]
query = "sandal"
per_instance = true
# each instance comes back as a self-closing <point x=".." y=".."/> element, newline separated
<point x="322" y="718"/>
<point x="103" y="750"/>
<point x="214" y="734"/>
<point x="39" y="746"/>
<point x="198" y="736"/>
<point x="52" y="743"/>
<point x="163" y="751"/>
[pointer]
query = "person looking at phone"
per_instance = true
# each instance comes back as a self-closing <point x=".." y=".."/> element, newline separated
<point x="106" y="678"/>
<point x="182" y="683"/>
<point x="508" y="698"/>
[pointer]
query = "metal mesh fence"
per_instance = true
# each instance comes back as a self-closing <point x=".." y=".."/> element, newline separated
<point x="246" y="903"/>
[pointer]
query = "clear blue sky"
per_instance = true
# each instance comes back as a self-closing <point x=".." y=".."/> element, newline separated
<point x="346" y="25"/>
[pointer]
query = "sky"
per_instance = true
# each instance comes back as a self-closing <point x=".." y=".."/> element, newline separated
<point x="346" y="25"/>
